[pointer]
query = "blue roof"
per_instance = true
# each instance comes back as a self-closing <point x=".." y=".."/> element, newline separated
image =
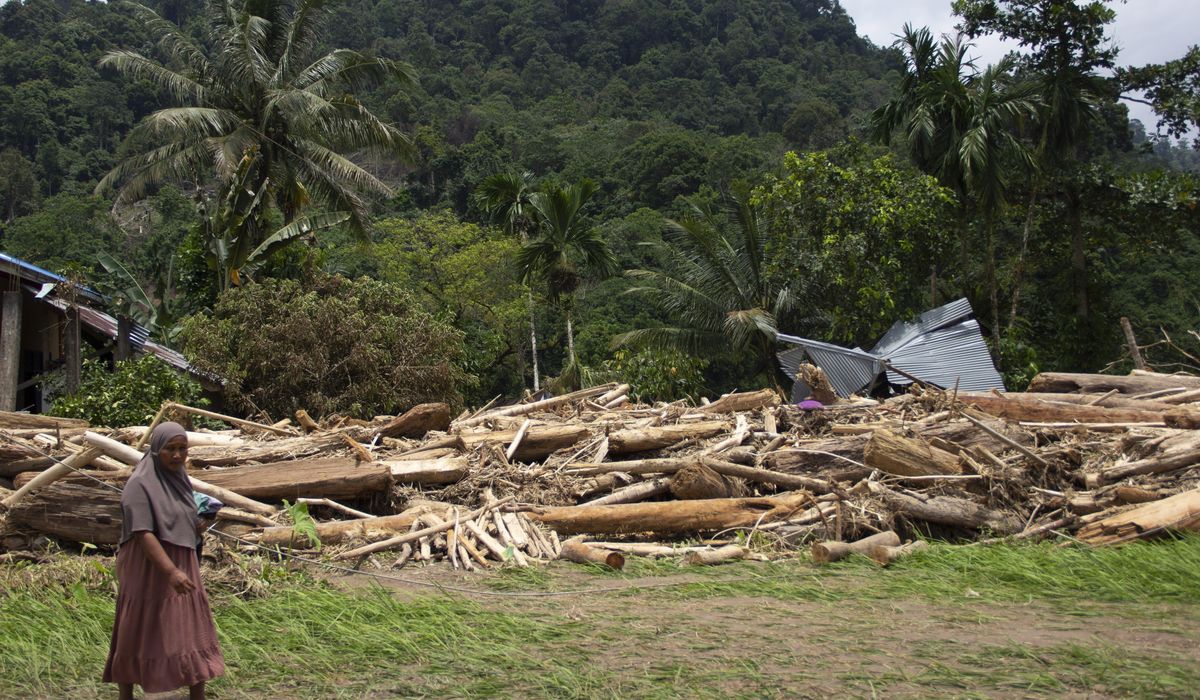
<point x="29" y="271"/>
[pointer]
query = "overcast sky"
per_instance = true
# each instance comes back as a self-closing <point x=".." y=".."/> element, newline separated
<point x="1146" y="31"/>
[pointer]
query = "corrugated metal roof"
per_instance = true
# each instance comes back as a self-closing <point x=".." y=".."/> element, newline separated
<point x="33" y="273"/>
<point x="139" y="337"/>
<point x="848" y="369"/>
<point x="943" y="346"/>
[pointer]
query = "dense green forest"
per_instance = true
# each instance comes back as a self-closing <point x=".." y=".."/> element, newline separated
<point x="654" y="186"/>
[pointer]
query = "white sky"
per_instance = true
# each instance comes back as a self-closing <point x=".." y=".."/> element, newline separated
<point x="1146" y="31"/>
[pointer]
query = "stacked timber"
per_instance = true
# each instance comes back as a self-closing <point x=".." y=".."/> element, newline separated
<point x="593" y="477"/>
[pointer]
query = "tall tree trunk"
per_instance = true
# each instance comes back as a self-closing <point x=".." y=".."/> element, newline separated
<point x="570" y="339"/>
<point x="533" y="341"/>
<point x="993" y="292"/>
<point x="1019" y="272"/>
<point x="1078" y="254"/>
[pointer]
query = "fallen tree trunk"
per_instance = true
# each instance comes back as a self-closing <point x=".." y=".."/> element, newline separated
<point x="581" y="553"/>
<point x="766" y="476"/>
<point x="427" y="471"/>
<point x="1179" y="512"/>
<point x="14" y="420"/>
<point x="634" y="492"/>
<point x="646" y="439"/>
<point x="947" y="510"/>
<point x="1178" y="452"/>
<point x="1014" y="407"/>
<point x="1064" y="382"/>
<point x="829" y="453"/>
<point x="341" y="531"/>
<point x="1105" y="400"/>
<point x="670" y="517"/>
<point x="54" y="473"/>
<point x="720" y="555"/>
<point x="744" y="401"/>
<point x="73" y="509"/>
<point x="831" y="551"/>
<point x="333" y="477"/>
<point x="900" y="456"/>
<point x="544" y="405"/>
<point x="538" y="442"/>
<point x="417" y="421"/>
<point x="266" y="451"/>
<point x="884" y="554"/>
<point x="696" y="481"/>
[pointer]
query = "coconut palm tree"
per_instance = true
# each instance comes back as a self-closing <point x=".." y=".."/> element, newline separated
<point x="715" y="288"/>
<point x="260" y="92"/>
<point x="508" y="199"/>
<point x="565" y="243"/>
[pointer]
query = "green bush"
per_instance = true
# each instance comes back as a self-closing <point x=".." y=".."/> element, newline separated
<point x="334" y="345"/>
<point x="652" y="375"/>
<point x="130" y="395"/>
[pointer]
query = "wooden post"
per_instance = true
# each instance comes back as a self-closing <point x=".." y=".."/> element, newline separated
<point x="124" y="347"/>
<point x="1131" y="343"/>
<point x="10" y="350"/>
<point x="72" y="354"/>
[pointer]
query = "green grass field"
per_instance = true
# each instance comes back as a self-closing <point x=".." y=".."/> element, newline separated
<point x="1000" y="621"/>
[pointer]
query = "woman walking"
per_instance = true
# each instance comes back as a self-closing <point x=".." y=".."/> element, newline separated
<point x="163" y="636"/>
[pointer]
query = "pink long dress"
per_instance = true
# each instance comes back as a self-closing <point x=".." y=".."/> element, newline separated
<point x="161" y="640"/>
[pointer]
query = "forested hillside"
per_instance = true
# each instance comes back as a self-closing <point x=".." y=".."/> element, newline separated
<point x="642" y="128"/>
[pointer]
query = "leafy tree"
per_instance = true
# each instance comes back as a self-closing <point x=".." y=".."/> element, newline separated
<point x="716" y="290"/>
<point x="69" y="229"/>
<point x="128" y="395"/>
<point x="565" y="244"/>
<point x="358" y="347"/>
<point x="1173" y="90"/>
<point x="18" y="185"/>
<point x="262" y="115"/>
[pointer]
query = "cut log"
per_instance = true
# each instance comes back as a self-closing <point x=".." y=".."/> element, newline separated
<point x="331" y="477"/>
<point x="417" y="535"/>
<point x="266" y="451"/>
<point x="709" y="557"/>
<point x="815" y="455"/>
<point x="947" y="510"/>
<point x="1176" y="453"/>
<point x="645" y="439"/>
<point x="697" y="481"/>
<point x="341" y="531"/>
<point x="1110" y="399"/>
<point x="1134" y="495"/>
<point x="581" y="553"/>
<point x="884" y="555"/>
<point x="1014" y="407"/>
<point x="417" y="421"/>
<point x="539" y="441"/>
<point x="831" y="551"/>
<point x="307" y="424"/>
<point x="745" y="401"/>
<point x="10" y="469"/>
<point x="1182" y="418"/>
<point x="1180" y="512"/>
<point x="431" y="471"/>
<point x="766" y="476"/>
<point x="15" y="420"/>
<point x="1063" y="382"/>
<point x="670" y="517"/>
<point x="73" y="509"/>
<point x="900" y="456"/>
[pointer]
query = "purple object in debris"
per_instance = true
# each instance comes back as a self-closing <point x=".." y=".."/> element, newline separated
<point x="810" y="405"/>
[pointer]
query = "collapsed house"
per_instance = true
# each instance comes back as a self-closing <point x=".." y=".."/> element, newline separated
<point x="943" y="347"/>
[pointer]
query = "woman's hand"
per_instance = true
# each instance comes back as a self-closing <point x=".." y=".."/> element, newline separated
<point x="181" y="583"/>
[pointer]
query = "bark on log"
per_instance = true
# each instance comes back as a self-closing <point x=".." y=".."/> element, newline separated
<point x="831" y="551"/>
<point x="744" y="401"/>
<point x="900" y="456"/>
<point x="30" y="464"/>
<point x="333" y="477"/>
<point x="1182" y="418"/>
<point x="538" y="443"/>
<point x="266" y="451"/>
<point x="581" y="553"/>
<point x="341" y="531"/>
<point x="1014" y="407"/>
<point x="54" y="473"/>
<point x="947" y="510"/>
<point x="634" y="492"/>
<point x="1179" y="512"/>
<point x="816" y="455"/>
<point x="1113" y="400"/>
<point x="73" y="509"/>
<point x="645" y="439"/>
<point x="696" y="481"/>
<point x="15" y="420"/>
<point x="766" y="476"/>
<point x="417" y="421"/>
<point x="884" y="555"/>
<point x="670" y="517"/>
<point x="1063" y="382"/>
<point x="431" y="471"/>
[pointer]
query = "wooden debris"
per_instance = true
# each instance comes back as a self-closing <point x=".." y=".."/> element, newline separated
<point x="576" y="550"/>
<point x="418" y="421"/>
<point x="831" y="551"/>
<point x="884" y="554"/>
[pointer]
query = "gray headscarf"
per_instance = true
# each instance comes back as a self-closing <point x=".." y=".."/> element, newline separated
<point x="157" y="499"/>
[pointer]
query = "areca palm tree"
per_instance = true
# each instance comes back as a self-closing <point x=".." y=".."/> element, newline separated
<point x="961" y="127"/>
<point x="508" y="199"/>
<point x="715" y="287"/>
<point x="565" y="243"/>
<point x="261" y="93"/>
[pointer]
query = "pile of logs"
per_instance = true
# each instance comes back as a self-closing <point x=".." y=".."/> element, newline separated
<point x="592" y="477"/>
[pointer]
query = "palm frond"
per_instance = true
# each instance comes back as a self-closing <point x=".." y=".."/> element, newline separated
<point x="138" y="67"/>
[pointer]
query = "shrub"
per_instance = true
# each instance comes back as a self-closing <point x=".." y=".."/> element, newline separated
<point x="355" y="347"/>
<point x="652" y="375"/>
<point x="130" y="395"/>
